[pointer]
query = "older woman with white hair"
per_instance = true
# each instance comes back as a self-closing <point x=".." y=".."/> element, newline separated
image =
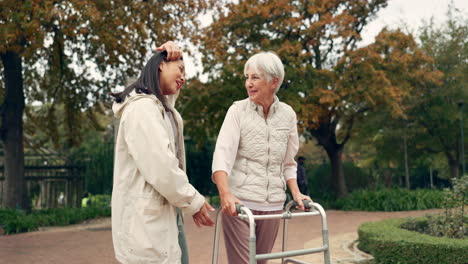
<point x="253" y="162"/>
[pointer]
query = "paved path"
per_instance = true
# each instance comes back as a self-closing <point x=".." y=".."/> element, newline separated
<point x="92" y="243"/>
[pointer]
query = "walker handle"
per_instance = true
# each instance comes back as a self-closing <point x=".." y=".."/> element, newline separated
<point x="307" y="203"/>
<point x="238" y="208"/>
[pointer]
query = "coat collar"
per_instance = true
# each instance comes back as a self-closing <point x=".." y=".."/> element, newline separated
<point x="118" y="108"/>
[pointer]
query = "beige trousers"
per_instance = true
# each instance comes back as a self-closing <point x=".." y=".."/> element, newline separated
<point x="236" y="236"/>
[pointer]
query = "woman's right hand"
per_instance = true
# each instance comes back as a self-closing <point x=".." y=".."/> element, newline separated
<point x="228" y="203"/>
<point x="174" y="52"/>
<point x="228" y="200"/>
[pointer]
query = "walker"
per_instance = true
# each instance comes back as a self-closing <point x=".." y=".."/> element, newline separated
<point x="245" y="213"/>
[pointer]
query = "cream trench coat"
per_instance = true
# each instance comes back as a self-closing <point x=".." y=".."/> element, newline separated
<point x="150" y="183"/>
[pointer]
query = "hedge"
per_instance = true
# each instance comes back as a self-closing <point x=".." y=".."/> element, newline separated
<point x="397" y="199"/>
<point x="390" y="244"/>
<point x="16" y="221"/>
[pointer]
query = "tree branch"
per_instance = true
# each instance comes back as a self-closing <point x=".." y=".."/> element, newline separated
<point x="351" y="124"/>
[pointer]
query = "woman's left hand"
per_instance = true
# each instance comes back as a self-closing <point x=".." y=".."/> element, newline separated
<point x="298" y="197"/>
<point x="202" y="217"/>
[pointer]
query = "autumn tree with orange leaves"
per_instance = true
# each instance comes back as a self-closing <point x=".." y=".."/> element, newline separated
<point x="70" y="54"/>
<point x="330" y="81"/>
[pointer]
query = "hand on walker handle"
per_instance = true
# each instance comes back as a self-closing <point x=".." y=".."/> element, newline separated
<point x="228" y="204"/>
<point x="202" y="217"/>
<point x="239" y="208"/>
<point x="299" y="204"/>
<point x="173" y="50"/>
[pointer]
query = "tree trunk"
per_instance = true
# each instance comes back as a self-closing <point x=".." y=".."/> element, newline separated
<point x="431" y="177"/>
<point x="454" y="167"/>
<point x="338" y="178"/>
<point x="387" y="178"/>
<point x="405" y="147"/>
<point x="326" y="137"/>
<point x="14" y="195"/>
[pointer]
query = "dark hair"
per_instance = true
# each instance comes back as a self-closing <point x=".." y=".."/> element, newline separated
<point x="148" y="82"/>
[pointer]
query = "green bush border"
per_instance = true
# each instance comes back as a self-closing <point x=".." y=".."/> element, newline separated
<point x="391" y="199"/>
<point x="390" y="244"/>
<point x="16" y="221"/>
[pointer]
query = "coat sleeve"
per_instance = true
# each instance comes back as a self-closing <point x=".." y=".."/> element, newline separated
<point x="149" y="145"/>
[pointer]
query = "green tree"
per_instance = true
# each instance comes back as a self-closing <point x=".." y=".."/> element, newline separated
<point x="432" y="118"/>
<point x="436" y="108"/>
<point x="47" y="130"/>
<point x="72" y="53"/>
<point x="330" y="82"/>
<point x="392" y="148"/>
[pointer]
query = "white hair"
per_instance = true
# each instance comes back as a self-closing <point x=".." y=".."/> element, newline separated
<point x="269" y="63"/>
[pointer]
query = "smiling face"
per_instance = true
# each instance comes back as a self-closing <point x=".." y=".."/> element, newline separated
<point x="172" y="76"/>
<point x="260" y="90"/>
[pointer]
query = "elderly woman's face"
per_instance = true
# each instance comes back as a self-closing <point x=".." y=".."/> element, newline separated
<point x="258" y="88"/>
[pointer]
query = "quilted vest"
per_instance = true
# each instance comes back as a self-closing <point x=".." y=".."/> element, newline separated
<point x="257" y="174"/>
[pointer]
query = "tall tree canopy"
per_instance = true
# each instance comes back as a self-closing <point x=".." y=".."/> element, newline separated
<point x="436" y="107"/>
<point x="330" y="81"/>
<point x="431" y="125"/>
<point x="70" y="53"/>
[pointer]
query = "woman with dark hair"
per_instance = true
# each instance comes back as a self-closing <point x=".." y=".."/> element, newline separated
<point x="151" y="189"/>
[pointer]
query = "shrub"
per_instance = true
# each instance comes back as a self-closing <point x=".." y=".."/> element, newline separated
<point x="101" y="200"/>
<point x="390" y="244"/>
<point x="320" y="180"/>
<point x="452" y="223"/>
<point x="391" y="200"/>
<point x="96" y="155"/>
<point x="17" y="221"/>
<point x="215" y="201"/>
<point x="199" y="159"/>
<point x="439" y="225"/>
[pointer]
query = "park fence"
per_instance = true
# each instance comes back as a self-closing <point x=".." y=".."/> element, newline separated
<point x="51" y="181"/>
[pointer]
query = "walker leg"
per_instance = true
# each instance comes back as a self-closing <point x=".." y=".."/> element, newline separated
<point x="252" y="243"/>
<point x="214" y="259"/>
<point x="326" y="253"/>
<point x="285" y="238"/>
